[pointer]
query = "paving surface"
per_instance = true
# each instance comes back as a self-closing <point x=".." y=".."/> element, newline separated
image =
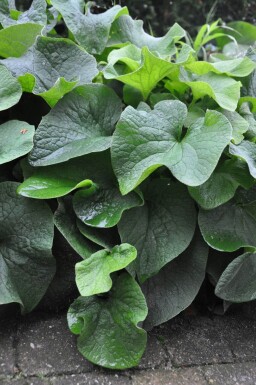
<point x="189" y="350"/>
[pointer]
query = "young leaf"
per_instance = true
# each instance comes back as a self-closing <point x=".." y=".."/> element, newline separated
<point x="93" y="274"/>
<point x="10" y="89"/>
<point x="237" y="282"/>
<point x="247" y="151"/>
<point x="26" y="262"/>
<point x="222" y="184"/>
<point x="162" y="228"/>
<point x="90" y="31"/>
<point x="240" y="67"/>
<point x="223" y="89"/>
<point x="16" y="139"/>
<point x="176" y="285"/>
<point x="103" y="207"/>
<point x="144" y="141"/>
<point x="16" y="39"/>
<point x="232" y="225"/>
<point x="126" y="30"/>
<point x="65" y="221"/>
<point x="47" y="69"/>
<point x="143" y="76"/>
<point x="114" y="341"/>
<point x="91" y="111"/>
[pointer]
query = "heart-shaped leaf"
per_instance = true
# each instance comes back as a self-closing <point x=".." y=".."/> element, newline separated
<point x="143" y="141"/>
<point x="81" y="123"/>
<point x="26" y="262"/>
<point x="90" y="31"/>
<point x="16" y="139"/>
<point x="47" y="69"/>
<point x="93" y="274"/>
<point x="237" y="282"/>
<point x="114" y="341"/>
<point x="161" y="229"/>
<point x="176" y="285"/>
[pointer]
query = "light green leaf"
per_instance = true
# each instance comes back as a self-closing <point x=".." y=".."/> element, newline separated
<point x="126" y="30"/>
<point x="35" y="14"/>
<point x="10" y="89"/>
<point x="93" y="274"/>
<point x="162" y="228"/>
<point x="16" y="139"/>
<point x="16" y="39"/>
<point x="175" y="287"/>
<point x="224" y="90"/>
<point x="237" y="282"/>
<point x="114" y="341"/>
<point x="247" y="151"/>
<point x="65" y="221"/>
<point x="81" y="123"/>
<point x="47" y="69"/>
<point x="240" y="67"/>
<point x="222" y="184"/>
<point x="144" y="141"/>
<point x="103" y="207"/>
<point x="26" y="262"/>
<point x="232" y="225"/>
<point x="238" y="123"/>
<point x="90" y="31"/>
<point x="144" y="75"/>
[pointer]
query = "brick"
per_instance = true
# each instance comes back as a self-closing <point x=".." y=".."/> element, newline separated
<point x="48" y="347"/>
<point x="154" y="356"/>
<point x="236" y="374"/>
<point x="7" y="353"/>
<point x="28" y="381"/>
<point x="91" y="379"/>
<point x="187" y="376"/>
<point x="196" y="341"/>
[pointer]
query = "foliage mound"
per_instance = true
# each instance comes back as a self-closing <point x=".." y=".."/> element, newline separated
<point x="142" y="155"/>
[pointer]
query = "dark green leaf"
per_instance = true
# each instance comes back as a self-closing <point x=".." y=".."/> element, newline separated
<point x="247" y="151"/>
<point x="176" y="285"/>
<point x="162" y="228"/>
<point x="26" y="263"/>
<point x="10" y="89"/>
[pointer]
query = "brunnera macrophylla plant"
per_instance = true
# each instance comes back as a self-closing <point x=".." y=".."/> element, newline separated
<point x="144" y="159"/>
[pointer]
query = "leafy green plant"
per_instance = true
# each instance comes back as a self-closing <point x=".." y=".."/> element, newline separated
<point x="141" y="155"/>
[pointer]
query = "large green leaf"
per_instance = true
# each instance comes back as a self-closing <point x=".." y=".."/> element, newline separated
<point x="48" y="70"/>
<point x="238" y="123"/>
<point x="222" y="184"/>
<point x="93" y="274"/>
<point x="148" y="73"/>
<point x="240" y="67"/>
<point x="238" y="281"/>
<point x="90" y="30"/>
<point x="16" y="139"/>
<point x="176" y="285"/>
<point x="247" y="151"/>
<point x="106" y="238"/>
<point x="16" y="39"/>
<point x="35" y="14"/>
<point x="103" y="207"/>
<point x="162" y="228"/>
<point x="223" y="89"/>
<point x="232" y="225"/>
<point x="26" y="263"/>
<point x="126" y="30"/>
<point x="66" y="222"/>
<point x="143" y="141"/>
<point x="114" y="340"/>
<point x="10" y="89"/>
<point x="81" y="123"/>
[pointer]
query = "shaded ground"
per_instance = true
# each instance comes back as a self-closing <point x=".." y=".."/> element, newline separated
<point x="186" y="351"/>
